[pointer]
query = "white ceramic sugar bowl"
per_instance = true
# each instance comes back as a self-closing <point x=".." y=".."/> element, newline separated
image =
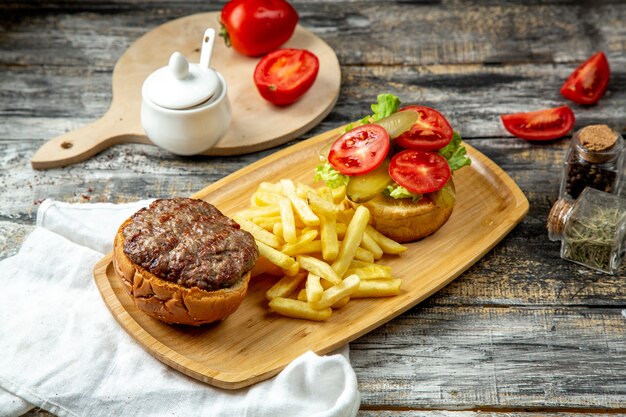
<point x="185" y="108"/>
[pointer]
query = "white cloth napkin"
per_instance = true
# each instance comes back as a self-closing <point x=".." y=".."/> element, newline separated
<point x="61" y="350"/>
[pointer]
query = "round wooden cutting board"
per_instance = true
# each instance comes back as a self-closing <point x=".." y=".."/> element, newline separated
<point x="256" y="124"/>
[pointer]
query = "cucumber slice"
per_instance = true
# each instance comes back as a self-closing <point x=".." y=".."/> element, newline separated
<point x="364" y="187"/>
<point x="398" y="123"/>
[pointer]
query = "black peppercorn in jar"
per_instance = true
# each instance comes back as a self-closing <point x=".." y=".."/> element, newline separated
<point x="594" y="159"/>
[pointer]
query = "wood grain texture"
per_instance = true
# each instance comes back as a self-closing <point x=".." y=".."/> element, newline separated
<point x="256" y="124"/>
<point x="253" y="344"/>
<point x="473" y="60"/>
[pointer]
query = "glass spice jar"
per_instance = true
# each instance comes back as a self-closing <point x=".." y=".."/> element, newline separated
<point x="595" y="158"/>
<point x="592" y="229"/>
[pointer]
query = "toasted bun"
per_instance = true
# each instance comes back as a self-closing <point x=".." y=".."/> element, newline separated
<point x="170" y="302"/>
<point x="404" y="220"/>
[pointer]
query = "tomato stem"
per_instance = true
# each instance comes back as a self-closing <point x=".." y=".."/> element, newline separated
<point x="224" y="33"/>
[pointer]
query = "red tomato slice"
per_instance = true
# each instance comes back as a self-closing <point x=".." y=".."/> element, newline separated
<point x="360" y="150"/>
<point x="431" y="131"/>
<point x="419" y="171"/>
<point x="541" y="124"/>
<point x="588" y="82"/>
<point x="283" y="76"/>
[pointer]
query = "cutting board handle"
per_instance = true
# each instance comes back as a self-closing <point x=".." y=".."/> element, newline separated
<point x="86" y="141"/>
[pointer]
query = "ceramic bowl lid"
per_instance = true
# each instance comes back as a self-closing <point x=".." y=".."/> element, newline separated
<point x="181" y="85"/>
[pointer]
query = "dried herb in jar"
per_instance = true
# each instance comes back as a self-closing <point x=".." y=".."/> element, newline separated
<point x="592" y="229"/>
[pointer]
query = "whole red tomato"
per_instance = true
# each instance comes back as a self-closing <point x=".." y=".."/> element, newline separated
<point x="255" y="27"/>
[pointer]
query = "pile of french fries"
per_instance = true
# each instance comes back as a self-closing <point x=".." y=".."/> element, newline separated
<point x="324" y="250"/>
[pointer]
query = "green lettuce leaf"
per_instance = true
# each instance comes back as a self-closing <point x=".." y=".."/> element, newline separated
<point x="455" y="153"/>
<point x="395" y="190"/>
<point x="387" y="104"/>
<point x="333" y="178"/>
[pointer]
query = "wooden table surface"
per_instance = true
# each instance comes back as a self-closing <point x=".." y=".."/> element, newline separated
<point x="522" y="332"/>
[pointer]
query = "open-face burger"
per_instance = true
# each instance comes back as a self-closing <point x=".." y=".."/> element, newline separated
<point x="399" y="165"/>
<point x="182" y="261"/>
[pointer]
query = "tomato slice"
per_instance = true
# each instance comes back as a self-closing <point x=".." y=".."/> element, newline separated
<point x="360" y="150"/>
<point x="419" y="171"/>
<point x="588" y="82"/>
<point x="541" y="124"/>
<point x="283" y="76"/>
<point x="431" y="131"/>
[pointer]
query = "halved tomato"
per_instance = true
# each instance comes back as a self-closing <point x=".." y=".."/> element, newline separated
<point x="431" y="131"/>
<point x="588" y="82"/>
<point x="360" y="150"/>
<point x="541" y="124"/>
<point x="283" y="76"/>
<point x="419" y="171"/>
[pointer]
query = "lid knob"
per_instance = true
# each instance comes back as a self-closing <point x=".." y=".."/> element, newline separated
<point x="181" y="85"/>
<point x="179" y="66"/>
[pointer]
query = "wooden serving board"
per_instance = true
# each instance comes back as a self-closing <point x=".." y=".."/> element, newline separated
<point x="256" y="124"/>
<point x="254" y="344"/>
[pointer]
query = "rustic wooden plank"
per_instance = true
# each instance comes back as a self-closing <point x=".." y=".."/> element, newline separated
<point x="472" y="97"/>
<point x="407" y="33"/>
<point x="446" y="358"/>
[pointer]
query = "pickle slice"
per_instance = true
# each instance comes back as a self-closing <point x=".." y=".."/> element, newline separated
<point x="364" y="187"/>
<point x="444" y="197"/>
<point x="398" y="123"/>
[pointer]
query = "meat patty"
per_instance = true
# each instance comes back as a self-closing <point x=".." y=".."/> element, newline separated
<point x="189" y="242"/>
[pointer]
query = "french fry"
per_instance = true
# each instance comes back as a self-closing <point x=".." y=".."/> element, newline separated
<point x="370" y="244"/>
<point x="339" y="194"/>
<point x="293" y="249"/>
<point x="318" y="267"/>
<point x="341" y="230"/>
<point x="300" y="206"/>
<point x="298" y="309"/>
<point x="295" y="227"/>
<point x="370" y="272"/>
<point x="293" y="269"/>
<point x="321" y="206"/>
<point x="267" y="223"/>
<point x="389" y="246"/>
<point x="313" y="288"/>
<point x="351" y="242"/>
<point x="267" y="198"/>
<point x="328" y="232"/>
<point x="303" y="190"/>
<point x="264" y="211"/>
<point x="258" y="232"/>
<point x="311" y="247"/>
<point x="341" y="303"/>
<point x="277" y="258"/>
<point x="288" y="221"/>
<point x="285" y="286"/>
<point x="271" y="187"/>
<point x="378" y="288"/>
<point x="336" y="293"/>
<point x="264" y="266"/>
<point x="364" y="255"/>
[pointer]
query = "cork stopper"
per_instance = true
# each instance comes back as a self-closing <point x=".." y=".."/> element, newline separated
<point x="598" y="144"/>
<point x="597" y="138"/>
<point x="557" y="218"/>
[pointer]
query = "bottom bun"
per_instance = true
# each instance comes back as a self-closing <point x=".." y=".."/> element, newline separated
<point x="405" y="220"/>
<point x="170" y="302"/>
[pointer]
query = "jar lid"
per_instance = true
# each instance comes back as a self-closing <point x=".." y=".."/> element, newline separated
<point x="181" y="85"/>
